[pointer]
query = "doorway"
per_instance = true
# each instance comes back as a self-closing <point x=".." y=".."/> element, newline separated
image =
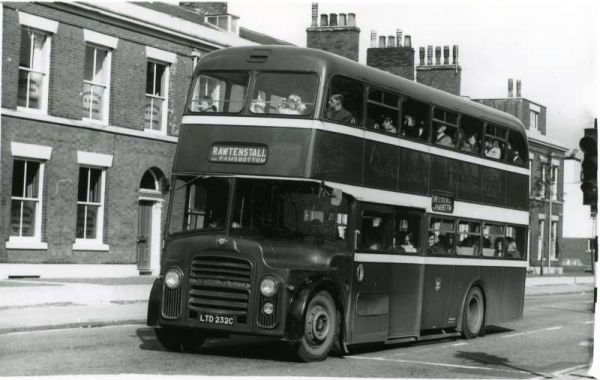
<point x="150" y="202"/>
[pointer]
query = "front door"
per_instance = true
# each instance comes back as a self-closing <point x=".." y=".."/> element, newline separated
<point x="144" y="236"/>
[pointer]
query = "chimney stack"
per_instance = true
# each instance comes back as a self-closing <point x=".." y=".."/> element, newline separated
<point x="351" y="19"/>
<point x="381" y="41"/>
<point x="315" y="15"/>
<point x="342" y="19"/>
<point x="455" y="54"/>
<point x="446" y="55"/>
<point x="332" y="19"/>
<point x="391" y="41"/>
<point x="438" y="55"/>
<point x="429" y="55"/>
<point x="324" y="19"/>
<point x="422" y="56"/>
<point x="407" y="41"/>
<point x="399" y="37"/>
<point x="373" y="38"/>
<point x="518" y="95"/>
<point x="510" y="87"/>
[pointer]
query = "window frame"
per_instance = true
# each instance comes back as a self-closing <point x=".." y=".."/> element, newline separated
<point x="106" y="86"/>
<point x="381" y="104"/>
<point x="44" y="91"/>
<point x="359" y="122"/>
<point x="445" y="123"/>
<point x="165" y="98"/>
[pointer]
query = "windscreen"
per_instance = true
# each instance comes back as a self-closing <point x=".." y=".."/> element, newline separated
<point x="219" y="92"/>
<point x="198" y="204"/>
<point x="289" y="210"/>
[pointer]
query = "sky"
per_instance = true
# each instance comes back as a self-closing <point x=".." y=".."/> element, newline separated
<point x="552" y="46"/>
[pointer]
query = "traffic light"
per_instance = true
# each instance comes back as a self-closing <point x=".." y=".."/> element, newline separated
<point x="589" y="167"/>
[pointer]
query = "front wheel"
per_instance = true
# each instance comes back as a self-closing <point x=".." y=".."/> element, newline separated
<point x="321" y="328"/>
<point x="473" y="314"/>
<point x="180" y="340"/>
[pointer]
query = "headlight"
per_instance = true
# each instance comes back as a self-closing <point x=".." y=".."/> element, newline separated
<point x="268" y="286"/>
<point x="173" y="278"/>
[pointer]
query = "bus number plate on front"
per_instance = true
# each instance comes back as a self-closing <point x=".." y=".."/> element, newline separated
<point x="216" y="319"/>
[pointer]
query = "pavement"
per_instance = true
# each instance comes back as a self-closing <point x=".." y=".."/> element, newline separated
<point x="51" y="302"/>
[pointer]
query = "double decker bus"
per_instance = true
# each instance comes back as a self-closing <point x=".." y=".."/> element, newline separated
<point x="329" y="204"/>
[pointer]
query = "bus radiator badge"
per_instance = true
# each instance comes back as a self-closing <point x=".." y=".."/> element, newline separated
<point x="438" y="284"/>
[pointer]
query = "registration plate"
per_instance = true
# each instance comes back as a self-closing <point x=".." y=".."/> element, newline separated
<point x="216" y="319"/>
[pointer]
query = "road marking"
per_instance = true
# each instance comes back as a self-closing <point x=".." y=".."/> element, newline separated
<point x="459" y="344"/>
<point x="434" y="364"/>
<point x="532" y="332"/>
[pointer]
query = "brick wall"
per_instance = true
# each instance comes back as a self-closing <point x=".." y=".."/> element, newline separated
<point x="444" y="77"/>
<point x="396" y="60"/>
<point x="342" y="41"/>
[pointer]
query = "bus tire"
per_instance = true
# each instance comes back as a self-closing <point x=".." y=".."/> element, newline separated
<point x="179" y="340"/>
<point x="321" y="328"/>
<point x="473" y="314"/>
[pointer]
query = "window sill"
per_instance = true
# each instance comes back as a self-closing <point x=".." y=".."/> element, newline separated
<point x="32" y="110"/>
<point x="155" y="132"/>
<point x="25" y="243"/>
<point x="94" y="121"/>
<point x="89" y="245"/>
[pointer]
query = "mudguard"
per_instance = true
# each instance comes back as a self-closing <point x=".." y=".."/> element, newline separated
<point x="154" y="303"/>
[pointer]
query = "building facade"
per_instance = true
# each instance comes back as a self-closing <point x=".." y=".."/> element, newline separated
<point x="92" y="96"/>
<point x="547" y="190"/>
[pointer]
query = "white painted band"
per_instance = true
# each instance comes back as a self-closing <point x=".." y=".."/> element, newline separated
<point x="430" y="260"/>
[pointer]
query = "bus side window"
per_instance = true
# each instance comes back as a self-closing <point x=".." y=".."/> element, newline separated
<point x="382" y="111"/>
<point x="469" y="238"/>
<point x="345" y="101"/>
<point x="406" y="233"/>
<point x="494" y="143"/>
<point x="440" y="239"/>
<point x="516" y="238"/>
<point x="493" y="240"/>
<point x="376" y="231"/>
<point x="515" y="149"/>
<point x="445" y="128"/>
<point x="415" y="119"/>
<point x="470" y="133"/>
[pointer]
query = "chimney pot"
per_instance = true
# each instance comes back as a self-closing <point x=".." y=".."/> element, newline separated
<point x="518" y="95"/>
<point x="381" y="41"/>
<point x="399" y="37"/>
<point x="446" y="55"/>
<point x="455" y="54"/>
<point x="422" y="56"/>
<point x="373" y="38"/>
<point x="351" y="19"/>
<point x="342" y="19"/>
<point x="332" y="19"/>
<point x="407" y="41"/>
<point x="315" y="15"/>
<point x="391" y="41"/>
<point x="324" y="19"/>
<point x="438" y="54"/>
<point x="510" y="87"/>
<point x="429" y="54"/>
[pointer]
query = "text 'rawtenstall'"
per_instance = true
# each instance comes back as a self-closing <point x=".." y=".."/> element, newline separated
<point x="242" y="154"/>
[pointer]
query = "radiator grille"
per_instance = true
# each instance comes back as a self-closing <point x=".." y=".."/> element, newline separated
<point x="220" y="285"/>
<point x="171" y="305"/>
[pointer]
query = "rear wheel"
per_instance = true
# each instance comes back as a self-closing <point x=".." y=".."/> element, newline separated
<point x="473" y="314"/>
<point x="180" y="340"/>
<point x="321" y="328"/>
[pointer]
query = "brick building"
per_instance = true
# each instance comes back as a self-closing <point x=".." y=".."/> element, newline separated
<point x="92" y="95"/>
<point x="546" y="162"/>
<point x="335" y="33"/>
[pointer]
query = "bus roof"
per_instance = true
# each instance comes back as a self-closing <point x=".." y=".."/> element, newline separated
<point x="291" y="58"/>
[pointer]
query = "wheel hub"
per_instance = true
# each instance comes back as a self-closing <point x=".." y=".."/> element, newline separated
<point x="317" y="324"/>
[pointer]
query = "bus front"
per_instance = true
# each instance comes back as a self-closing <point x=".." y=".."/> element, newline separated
<point x="252" y="246"/>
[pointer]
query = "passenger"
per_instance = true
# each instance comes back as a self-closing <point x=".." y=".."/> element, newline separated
<point x="512" y="252"/>
<point x="499" y="247"/>
<point x="336" y="111"/>
<point x="410" y="129"/>
<point x="438" y="248"/>
<point x="293" y="106"/>
<point x="388" y="125"/>
<point x="442" y="138"/>
<point x="470" y="144"/>
<point x="258" y="105"/>
<point x="206" y="104"/>
<point x="514" y="157"/>
<point x="494" y="151"/>
<point x="408" y="243"/>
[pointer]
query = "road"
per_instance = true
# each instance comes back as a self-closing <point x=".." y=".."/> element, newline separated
<point x="553" y="340"/>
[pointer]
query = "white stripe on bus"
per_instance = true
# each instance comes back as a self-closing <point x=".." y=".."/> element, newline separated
<point x="431" y="260"/>
<point x="461" y="209"/>
<point x="350" y="131"/>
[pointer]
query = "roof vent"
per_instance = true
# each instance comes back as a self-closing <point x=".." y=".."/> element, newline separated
<point x="259" y="55"/>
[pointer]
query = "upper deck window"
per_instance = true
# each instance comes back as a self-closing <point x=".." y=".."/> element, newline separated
<point x="494" y="145"/>
<point x="470" y="133"/>
<point x="382" y="111"/>
<point x="415" y="119"/>
<point x="223" y="92"/>
<point x="444" y="128"/>
<point x="345" y="101"/>
<point x="284" y="94"/>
